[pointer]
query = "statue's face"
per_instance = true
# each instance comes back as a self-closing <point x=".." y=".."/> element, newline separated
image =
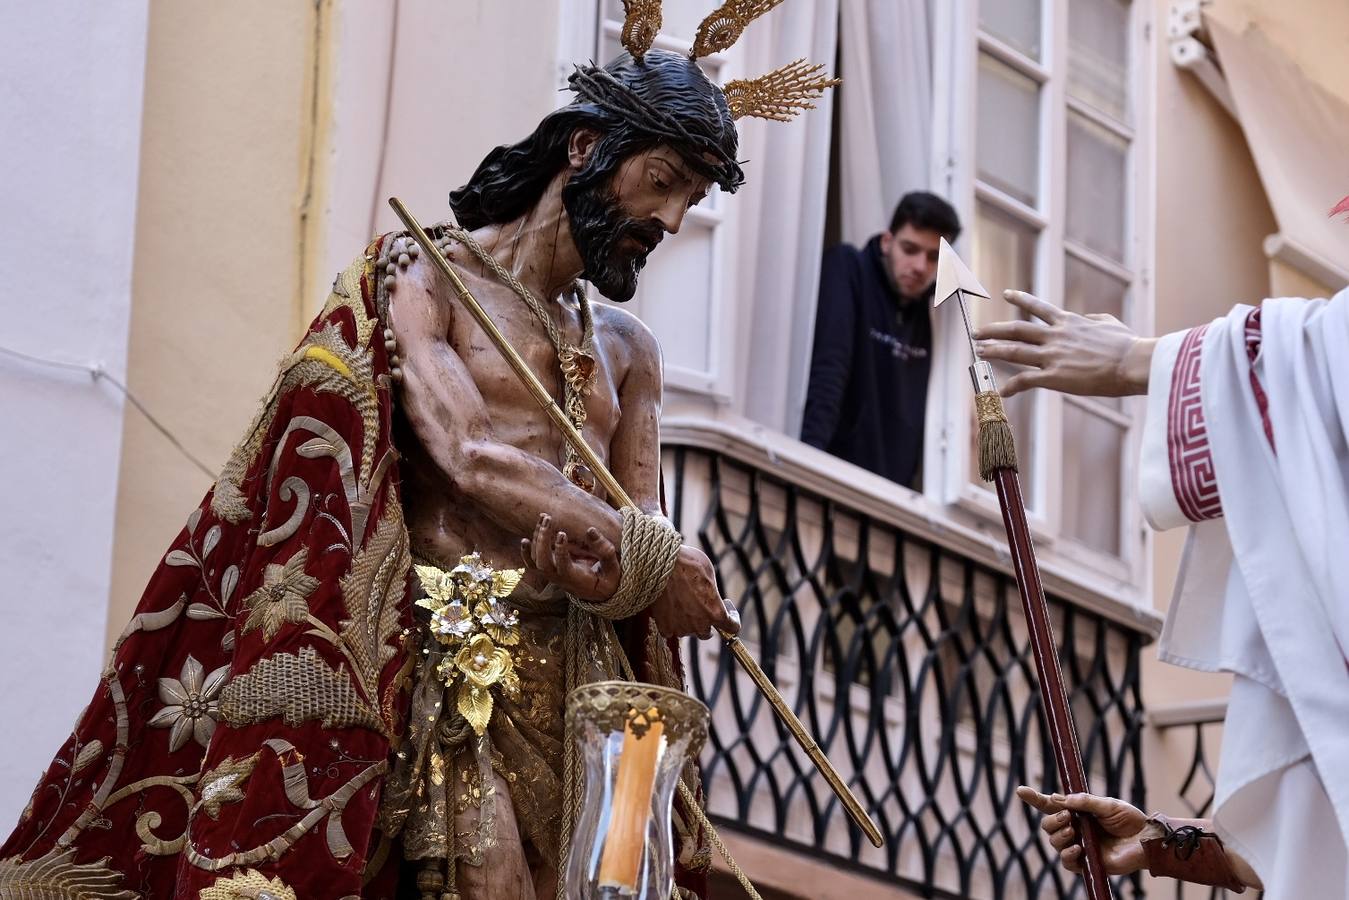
<point x="617" y="225"/>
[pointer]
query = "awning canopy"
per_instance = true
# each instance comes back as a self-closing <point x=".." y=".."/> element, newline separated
<point x="1287" y="67"/>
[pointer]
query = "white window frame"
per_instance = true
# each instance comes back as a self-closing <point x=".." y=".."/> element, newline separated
<point x="958" y="43"/>
<point x="583" y="30"/>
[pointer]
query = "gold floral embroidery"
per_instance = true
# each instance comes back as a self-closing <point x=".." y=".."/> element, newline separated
<point x="295" y="783"/>
<point x="298" y="688"/>
<point x="470" y="619"/>
<point x="191" y="704"/>
<point x="224" y="784"/>
<point x="325" y="363"/>
<point x="373" y="593"/>
<point x="56" y="874"/>
<point x="249" y="884"/>
<point x="90" y="752"/>
<point x="281" y="598"/>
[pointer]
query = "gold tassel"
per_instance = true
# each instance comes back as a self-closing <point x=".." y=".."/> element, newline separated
<point x="997" y="448"/>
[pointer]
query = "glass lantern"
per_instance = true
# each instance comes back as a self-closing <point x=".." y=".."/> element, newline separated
<point x="634" y="740"/>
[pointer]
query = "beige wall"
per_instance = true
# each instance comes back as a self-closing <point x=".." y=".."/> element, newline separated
<point x="1212" y="219"/>
<point x="263" y="132"/>
<point x="215" y="272"/>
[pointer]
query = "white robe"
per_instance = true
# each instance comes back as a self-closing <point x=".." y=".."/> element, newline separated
<point x="1263" y="590"/>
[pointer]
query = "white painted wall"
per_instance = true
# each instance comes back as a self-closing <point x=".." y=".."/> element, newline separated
<point x="71" y="81"/>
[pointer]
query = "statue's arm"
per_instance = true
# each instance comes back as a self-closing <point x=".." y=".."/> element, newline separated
<point x="691" y="602"/>
<point x="634" y="450"/>
<point x="447" y="413"/>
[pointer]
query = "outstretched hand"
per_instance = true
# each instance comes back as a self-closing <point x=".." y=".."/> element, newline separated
<point x="1093" y="355"/>
<point x="1121" y="827"/>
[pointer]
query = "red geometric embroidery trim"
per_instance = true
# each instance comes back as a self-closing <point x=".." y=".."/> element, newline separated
<point x="1188" y="450"/>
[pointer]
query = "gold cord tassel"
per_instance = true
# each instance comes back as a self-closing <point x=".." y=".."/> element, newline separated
<point x="997" y="448"/>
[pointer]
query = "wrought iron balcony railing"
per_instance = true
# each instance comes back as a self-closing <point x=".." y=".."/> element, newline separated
<point x="910" y="663"/>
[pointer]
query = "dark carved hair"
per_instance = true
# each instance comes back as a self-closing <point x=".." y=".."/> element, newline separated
<point x="662" y="99"/>
<point x="926" y="212"/>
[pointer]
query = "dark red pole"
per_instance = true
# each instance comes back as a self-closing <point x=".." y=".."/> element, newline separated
<point x="1053" y="692"/>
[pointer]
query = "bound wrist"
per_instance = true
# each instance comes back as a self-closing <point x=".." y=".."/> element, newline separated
<point x="1188" y="853"/>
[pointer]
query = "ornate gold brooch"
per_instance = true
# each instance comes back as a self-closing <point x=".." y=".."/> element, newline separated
<point x="471" y="620"/>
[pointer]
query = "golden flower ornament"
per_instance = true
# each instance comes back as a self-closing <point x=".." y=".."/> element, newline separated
<point x="476" y="627"/>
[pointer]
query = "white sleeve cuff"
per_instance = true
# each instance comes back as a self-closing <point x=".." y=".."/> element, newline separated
<point x="1156" y="490"/>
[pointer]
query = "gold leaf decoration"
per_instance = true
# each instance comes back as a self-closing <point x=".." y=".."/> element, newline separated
<point x="781" y="94"/>
<point x="346" y="294"/>
<point x="641" y="24"/>
<point x="324" y="363"/>
<point x="90" y="752"/>
<point x="372" y="592"/>
<point x="475" y="704"/>
<point x="248" y="884"/>
<point x="296" y="688"/>
<point x="56" y="876"/>
<point x="724" y="25"/>
<point x="224" y="784"/>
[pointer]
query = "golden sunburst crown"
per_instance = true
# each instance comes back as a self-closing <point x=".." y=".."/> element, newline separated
<point x="780" y="95"/>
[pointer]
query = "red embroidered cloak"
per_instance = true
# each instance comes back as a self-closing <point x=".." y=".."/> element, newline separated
<point x="238" y="739"/>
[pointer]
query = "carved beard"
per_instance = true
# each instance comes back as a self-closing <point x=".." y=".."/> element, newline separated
<point x="598" y="225"/>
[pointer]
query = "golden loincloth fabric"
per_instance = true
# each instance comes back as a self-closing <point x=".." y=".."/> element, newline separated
<point x="439" y="800"/>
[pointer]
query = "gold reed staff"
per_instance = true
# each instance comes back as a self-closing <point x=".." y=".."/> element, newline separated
<point x="545" y="400"/>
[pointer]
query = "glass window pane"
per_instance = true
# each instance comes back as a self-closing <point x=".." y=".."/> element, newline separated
<point x="674" y="297"/>
<point x="1089" y="290"/>
<point x="1004" y="257"/>
<point x="1093" y="453"/>
<point x="1086" y="290"/>
<point x="1008" y="149"/>
<point x="1097" y="185"/>
<point x="1098" y="54"/>
<point x="1014" y="22"/>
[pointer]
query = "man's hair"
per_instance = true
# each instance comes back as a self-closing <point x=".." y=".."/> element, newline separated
<point x="926" y="212"/>
<point x="664" y="98"/>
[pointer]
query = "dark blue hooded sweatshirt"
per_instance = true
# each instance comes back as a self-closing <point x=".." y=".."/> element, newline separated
<point x="869" y="371"/>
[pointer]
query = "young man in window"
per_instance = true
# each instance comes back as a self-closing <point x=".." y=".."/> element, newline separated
<point x="873" y="342"/>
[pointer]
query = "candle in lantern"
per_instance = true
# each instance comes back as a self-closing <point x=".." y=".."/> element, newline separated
<point x="622" y="858"/>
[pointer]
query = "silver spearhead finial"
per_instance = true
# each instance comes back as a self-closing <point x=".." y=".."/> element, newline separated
<point x="954" y="279"/>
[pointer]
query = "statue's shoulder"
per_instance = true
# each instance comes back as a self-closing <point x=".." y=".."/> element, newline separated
<point x="620" y="326"/>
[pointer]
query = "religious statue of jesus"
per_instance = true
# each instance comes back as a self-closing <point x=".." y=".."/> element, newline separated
<point x="346" y="677"/>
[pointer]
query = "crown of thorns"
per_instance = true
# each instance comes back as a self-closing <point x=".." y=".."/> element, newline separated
<point x="780" y="95"/>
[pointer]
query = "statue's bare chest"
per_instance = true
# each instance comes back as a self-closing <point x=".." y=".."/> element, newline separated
<point x="515" y="415"/>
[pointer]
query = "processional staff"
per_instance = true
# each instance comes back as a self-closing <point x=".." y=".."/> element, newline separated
<point x="618" y="494"/>
<point x="997" y="463"/>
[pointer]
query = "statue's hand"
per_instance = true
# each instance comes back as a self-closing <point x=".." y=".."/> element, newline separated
<point x="1121" y="827"/>
<point x="1094" y="355"/>
<point x="588" y="569"/>
<point x="691" y="603"/>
